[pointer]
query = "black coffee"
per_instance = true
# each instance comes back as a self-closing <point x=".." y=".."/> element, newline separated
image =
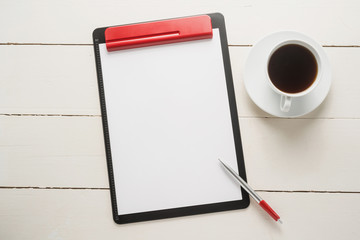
<point x="292" y="68"/>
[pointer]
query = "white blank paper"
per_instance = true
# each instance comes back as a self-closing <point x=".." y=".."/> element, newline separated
<point x="169" y="121"/>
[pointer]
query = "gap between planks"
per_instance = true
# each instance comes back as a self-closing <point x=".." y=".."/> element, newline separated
<point x="327" y="46"/>
<point x="45" y="44"/>
<point x="90" y="44"/>
<point x="95" y="115"/>
<point x="46" y="115"/>
<point x="90" y="188"/>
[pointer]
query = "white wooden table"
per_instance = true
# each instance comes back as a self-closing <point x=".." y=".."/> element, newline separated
<point x="53" y="176"/>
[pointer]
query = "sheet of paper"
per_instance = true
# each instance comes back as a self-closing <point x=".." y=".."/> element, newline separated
<point x="169" y="122"/>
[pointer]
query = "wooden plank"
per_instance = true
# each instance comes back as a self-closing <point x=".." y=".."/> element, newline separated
<point x="62" y="80"/>
<point x="280" y="154"/>
<point x="48" y="80"/>
<point x="302" y="154"/>
<point x="86" y="214"/>
<point x="330" y="22"/>
<point x="52" y="151"/>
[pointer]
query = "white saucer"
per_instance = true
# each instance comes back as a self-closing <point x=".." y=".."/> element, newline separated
<point x="259" y="89"/>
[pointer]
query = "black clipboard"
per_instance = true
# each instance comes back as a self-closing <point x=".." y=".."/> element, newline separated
<point x="218" y="22"/>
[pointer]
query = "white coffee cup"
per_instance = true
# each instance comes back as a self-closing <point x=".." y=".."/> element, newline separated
<point x="286" y="97"/>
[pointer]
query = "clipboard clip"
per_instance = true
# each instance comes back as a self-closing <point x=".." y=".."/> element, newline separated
<point x="159" y="32"/>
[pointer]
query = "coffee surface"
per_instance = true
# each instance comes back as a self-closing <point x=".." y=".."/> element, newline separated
<point x="292" y="68"/>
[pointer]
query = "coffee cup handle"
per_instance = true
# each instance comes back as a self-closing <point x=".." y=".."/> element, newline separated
<point x="285" y="103"/>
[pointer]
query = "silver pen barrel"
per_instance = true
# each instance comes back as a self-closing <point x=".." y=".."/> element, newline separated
<point x="243" y="184"/>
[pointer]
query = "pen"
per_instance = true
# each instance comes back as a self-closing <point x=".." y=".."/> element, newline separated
<point x="253" y="194"/>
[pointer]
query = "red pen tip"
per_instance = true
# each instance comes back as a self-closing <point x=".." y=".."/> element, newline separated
<point x="269" y="210"/>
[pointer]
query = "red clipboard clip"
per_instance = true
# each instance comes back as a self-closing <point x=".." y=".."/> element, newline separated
<point x="160" y="32"/>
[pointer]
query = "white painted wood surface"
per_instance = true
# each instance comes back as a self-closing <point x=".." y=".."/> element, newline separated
<point x="331" y="22"/>
<point x="86" y="214"/>
<point x="48" y="80"/>
<point x="64" y="85"/>
<point x="51" y="134"/>
<point x="280" y="154"/>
